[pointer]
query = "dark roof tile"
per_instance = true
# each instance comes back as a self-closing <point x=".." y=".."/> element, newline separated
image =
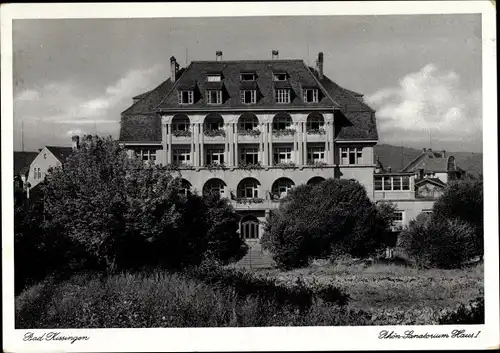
<point x="22" y="161"/>
<point x="231" y="70"/>
<point x="61" y="153"/>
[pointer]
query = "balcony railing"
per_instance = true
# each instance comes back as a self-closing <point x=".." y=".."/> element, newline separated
<point x="284" y="132"/>
<point x="214" y="133"/>
<point x="248" y="132"/>
<point x="319" y="131"/>
<point x="249" y="166"/>
<point x="181" y="133"/>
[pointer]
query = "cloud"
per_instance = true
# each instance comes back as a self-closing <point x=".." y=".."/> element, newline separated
<point x="55" y="105"/>
<point x="430" y="101"/>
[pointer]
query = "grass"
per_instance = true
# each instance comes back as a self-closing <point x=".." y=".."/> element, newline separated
<point x="390" y="286"/>
<point x="380" y="295"/>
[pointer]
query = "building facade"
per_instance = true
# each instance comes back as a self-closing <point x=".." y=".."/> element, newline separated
<point x="252" y="130"/>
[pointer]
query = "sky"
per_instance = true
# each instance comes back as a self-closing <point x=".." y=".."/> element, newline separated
<point x="421" y="73"/>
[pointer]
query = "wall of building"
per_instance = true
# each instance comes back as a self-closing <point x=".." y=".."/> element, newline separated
<point x="429" y="190"/>
<point x="44" y="161"/>
<point x="411" y="208"/>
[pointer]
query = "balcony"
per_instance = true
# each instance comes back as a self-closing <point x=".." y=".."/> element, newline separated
<point x="284" y="135"/>
<point x="181" y="136"/>
<point x="249" y="136"/>
<point x="214" y="136"/>
<point x="316" y="135"/>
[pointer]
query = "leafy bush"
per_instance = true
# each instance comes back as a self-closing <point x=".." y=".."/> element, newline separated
<point x="441" y="243"/>
<point x="317" y="220"/>
<point x="214" y="133"/>
<point x="470" y="314"/>
<point x="248" y="132"/>
<point x="179" y="133"/>
<point x="123" y="214"/>
<point x="463" y="200"/>
<point x="283" y="132"/>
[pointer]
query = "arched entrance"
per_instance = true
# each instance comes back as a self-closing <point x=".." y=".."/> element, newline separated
<point x="249" y="227"/>
<point x="315" y="180"/>
<point x="214" y="185"/>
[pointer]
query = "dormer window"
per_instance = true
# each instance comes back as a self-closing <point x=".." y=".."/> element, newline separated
<point x="248" y="96"/>
<point x="214" y="77"/>
<point x="311" y="95"/>
<point x="214" y="96"/>
<point x="282" y="96"/>
<point x="186" y="97"/>
<point x="280" y="76"/>
<point x="248" y="76"/>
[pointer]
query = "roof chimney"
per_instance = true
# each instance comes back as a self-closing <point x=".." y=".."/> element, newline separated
<point x="319" y="64"/>
<point x="444" y="153"/>
<point x="424" y="149"/>
<point x="173" y="69"/>
<point x="75" y="142"/>
<point x="275" y="54"/>
<point x="218" y="55"/>
<point x="389" y="169"/>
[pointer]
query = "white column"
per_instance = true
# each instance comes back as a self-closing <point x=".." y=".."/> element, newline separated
<point x="270" y="136"/>
<point x="265" y="138"/>
<point x="202" y="144"/>
<point x="230" y="144"/>
<point x="332" y="144"/>
<point x="169" y="137"/>
<point x="236" y="147"/>
<point x="262" y="148"/>
<point x="164" y="142"/>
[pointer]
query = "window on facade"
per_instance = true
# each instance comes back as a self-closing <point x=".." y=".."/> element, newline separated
<point x="392" y="183"/>
<point x="249" y="155"/>
<point x="248" y="77"/>
<point x="181" y="156"/>
<point x="186" y="97"/>
<point x="280" y="76"/>
<point x="282" y="123"/>
<point x="282" y="186"/>
<point x="214" y="96"/>
<point x="249" y="189"/>
<point x="247" y="123"/>
<point x="282" y="155"/>
<point x="315" y="123"/>
<point x="282" y="96"/>
<point x="39" y="173"/>
<point x="146" y="154"/>
<point x="398" y="216"/>
<point x="311" y="95"/>
<point x="351" y="155"/>
<point x="215" y="156"/>
<point x="248" y="96"/>
<point x="214" y="78"/>
<point x="316" y="154"/>
<point x="406" y="182"/>
<point x="180" y="125"/>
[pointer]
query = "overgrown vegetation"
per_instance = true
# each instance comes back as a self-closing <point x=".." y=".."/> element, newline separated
<point x="111" y="213"/>
<point x="317" y="221"/>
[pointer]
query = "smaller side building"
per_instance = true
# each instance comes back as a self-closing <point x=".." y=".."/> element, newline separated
<point x="48" y="157"/>
<point x="415" y="188"/>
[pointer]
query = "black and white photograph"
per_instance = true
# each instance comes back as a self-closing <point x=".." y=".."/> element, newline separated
<point x="260" y="178"/>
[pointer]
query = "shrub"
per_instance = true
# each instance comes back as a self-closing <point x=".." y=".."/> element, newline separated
<point x="121" y="214"/>
<point x="463" y="200"/>
<point x="436" y="242"/>
<point x="315" y="221"/>
<point x="470" y="314"/>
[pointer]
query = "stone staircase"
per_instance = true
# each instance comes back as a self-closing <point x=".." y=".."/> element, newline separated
<point x="256" y="258"/>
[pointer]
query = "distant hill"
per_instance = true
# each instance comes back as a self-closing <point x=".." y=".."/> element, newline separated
<point x="398" y="157"/>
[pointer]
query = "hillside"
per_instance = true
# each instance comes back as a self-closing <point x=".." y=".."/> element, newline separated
<point x="397" y="157"/>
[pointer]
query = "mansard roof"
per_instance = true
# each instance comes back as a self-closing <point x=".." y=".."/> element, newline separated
<point x="355" y="120"/>
<point x="298" y="76"/>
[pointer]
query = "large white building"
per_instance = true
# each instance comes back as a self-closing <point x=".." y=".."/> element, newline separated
<point x="253" y="129"/>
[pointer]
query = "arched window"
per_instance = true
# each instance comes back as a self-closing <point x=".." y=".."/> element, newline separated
<point x="248" y="188"/>
<point x="315" y="180"/>
<point x="213" y="121"/>
<point x="185" y="187"/>
<point x="180" y="122"/>
<point x="281" y="187"/>
<point x="248" y="121"/>
<point x="249" y="227"/>
<point x="315" y="121"/>
<point x="282" y="121"/>
<point x="214" y="186"/>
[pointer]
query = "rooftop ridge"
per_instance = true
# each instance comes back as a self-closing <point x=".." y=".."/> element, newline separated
<point x="247" y="61"/>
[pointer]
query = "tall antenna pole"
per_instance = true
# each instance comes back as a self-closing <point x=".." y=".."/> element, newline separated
<point x="186" y="57"/>
<point x="430" y="138"/>
<point x="22" y="135"/>
<point x="308" y="58"/>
